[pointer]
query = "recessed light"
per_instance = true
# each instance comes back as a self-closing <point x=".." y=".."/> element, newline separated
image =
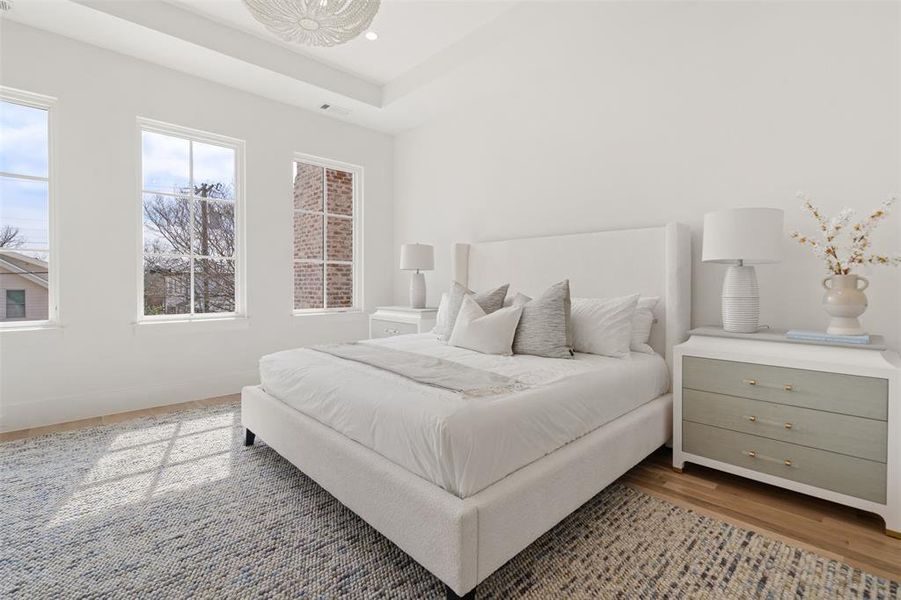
<point x="372" y="36"/>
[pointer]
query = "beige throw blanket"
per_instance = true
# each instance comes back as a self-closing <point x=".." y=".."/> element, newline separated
<point x="428" y="370"/>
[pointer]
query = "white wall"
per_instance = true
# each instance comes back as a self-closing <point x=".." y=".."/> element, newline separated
<point x="598" y="115"/>
<point x="99" y="362"/>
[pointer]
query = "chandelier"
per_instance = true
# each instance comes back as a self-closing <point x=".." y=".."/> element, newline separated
<point x="314" y="22"/>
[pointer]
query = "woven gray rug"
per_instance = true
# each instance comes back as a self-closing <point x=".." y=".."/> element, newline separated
<point x="176" y="507"/>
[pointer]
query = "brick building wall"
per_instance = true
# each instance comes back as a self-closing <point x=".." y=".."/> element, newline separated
<point x="332" y="228"/>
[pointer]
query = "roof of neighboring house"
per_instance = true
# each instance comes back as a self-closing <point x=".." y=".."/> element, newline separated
<point x="29" y="267"/>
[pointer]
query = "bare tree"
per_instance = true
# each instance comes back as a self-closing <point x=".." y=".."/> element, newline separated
<point x="10" y="237"/>
<point x="213" y="229"/>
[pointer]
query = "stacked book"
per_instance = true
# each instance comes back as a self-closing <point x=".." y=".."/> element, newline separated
<point x="823" y="337"/>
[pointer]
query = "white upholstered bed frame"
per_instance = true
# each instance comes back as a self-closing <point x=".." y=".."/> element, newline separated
<point x="463" y="541"/>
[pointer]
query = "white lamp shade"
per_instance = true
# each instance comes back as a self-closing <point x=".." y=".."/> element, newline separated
<point x="752" y="235"/>
<point x="417" y="257"/>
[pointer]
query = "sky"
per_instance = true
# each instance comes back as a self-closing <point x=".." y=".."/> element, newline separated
<point x="23" y="151"/>
<point x="166" y="163"/>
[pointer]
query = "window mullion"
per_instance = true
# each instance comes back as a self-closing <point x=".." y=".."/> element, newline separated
<point x="24" y="177"/>
<point x="191" y="220"/>
<point x="324" y="238"/>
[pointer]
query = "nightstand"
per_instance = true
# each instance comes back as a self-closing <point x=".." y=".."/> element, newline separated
<point x="823" y="420"/>
<point x="387" y="321"/>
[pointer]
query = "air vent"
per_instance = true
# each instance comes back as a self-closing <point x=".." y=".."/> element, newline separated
<point x="332" y="108"/>
<point x="6" y="4"/>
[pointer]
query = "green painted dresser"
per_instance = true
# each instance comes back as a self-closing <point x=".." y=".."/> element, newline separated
<point x="818" y="419"/>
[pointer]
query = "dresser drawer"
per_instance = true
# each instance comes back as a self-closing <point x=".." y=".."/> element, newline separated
<point x="844" y="474"/>
<point x="854" y="436"/>
<point x="819" y="390"/>
<point x="380" y="329"/>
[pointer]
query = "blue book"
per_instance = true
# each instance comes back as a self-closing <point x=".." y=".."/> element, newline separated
<point x="822" y="336"/>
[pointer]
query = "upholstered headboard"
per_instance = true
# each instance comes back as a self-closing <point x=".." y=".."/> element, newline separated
<point x="655" y="261"/>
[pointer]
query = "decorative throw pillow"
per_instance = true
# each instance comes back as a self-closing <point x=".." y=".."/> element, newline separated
<point x="603" y="325"/>
<point x="490" y="301"/>
<point x="441" y="318"/>
<point x="486" y="333"/>
<point x="544" y="326"/>
<point x="642" y="322"/>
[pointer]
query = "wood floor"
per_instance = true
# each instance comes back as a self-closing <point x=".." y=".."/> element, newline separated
<point x="828" y="529"/>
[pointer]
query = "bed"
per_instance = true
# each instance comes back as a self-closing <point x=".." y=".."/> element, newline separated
<point x="463" y="484"/>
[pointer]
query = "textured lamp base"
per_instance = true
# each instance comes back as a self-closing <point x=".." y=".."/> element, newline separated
<point x="741" y="300"/>
<point x="417" y="290"/>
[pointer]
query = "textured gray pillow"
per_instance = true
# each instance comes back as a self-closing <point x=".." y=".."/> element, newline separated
<point x="544" y="328"/>
<point x="490" y="301"/>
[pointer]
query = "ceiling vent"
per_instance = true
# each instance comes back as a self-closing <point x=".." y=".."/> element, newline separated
<point x="332" y="108"/>
<point x="6" y="4"/>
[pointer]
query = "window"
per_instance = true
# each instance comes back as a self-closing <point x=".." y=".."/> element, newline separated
<point x="326" y="272"/>
<point x="25" y="206"/>
<point x="15" y="304"/>
<point x="190" y="199"/>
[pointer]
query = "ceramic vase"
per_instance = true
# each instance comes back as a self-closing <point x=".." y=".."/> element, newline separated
<point x="845" y="301"/>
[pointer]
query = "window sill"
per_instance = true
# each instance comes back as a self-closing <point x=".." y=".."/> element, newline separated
<point x="30" y="326"/>
<point x="195" y="325"/>
<point x="327" y="312"/>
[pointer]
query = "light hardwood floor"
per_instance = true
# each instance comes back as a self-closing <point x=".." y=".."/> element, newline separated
<point x="828" y="529"/>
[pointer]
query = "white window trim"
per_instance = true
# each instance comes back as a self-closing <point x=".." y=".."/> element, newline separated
<point x="357" y="172"/>
<point x="240" y="312"/>
<point x="47" y="103"/>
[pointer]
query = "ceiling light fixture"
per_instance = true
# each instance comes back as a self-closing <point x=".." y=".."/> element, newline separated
<point x="372" y="36"/>
<point x="315" y="22"/>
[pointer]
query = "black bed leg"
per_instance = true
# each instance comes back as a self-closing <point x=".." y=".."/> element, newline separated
<point x="452" y="595"/>
<point x="249" y="436"/>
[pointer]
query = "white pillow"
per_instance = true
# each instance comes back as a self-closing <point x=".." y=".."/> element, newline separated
<point x="441" y="319"/>
<point x="603" y="325"/>
<point x="486" y="333"/>
<point x="642" y="323"/>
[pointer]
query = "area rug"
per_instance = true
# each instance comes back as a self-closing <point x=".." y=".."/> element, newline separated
<point x="176" y="507"/>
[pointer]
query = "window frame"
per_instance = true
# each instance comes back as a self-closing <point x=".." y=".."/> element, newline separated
<point x="205" y="137"/>
<point x="47" y="103"/>
<point x="357" y="221"/>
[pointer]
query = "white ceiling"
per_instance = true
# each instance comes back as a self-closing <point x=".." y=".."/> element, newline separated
<point x="410" y="32"/>
<point x="391" y="84"/>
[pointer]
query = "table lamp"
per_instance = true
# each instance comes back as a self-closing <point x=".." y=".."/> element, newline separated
<point x="739" y="236"/>
<point x="417" y="257"/>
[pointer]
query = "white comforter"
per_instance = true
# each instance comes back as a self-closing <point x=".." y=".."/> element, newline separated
<point x="463" y="444"/>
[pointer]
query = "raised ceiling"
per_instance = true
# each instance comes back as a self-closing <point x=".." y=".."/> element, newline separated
<point x="410" y="32"/>
<point x="390" y="84"/>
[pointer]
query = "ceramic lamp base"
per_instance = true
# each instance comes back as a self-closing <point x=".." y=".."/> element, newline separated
<point x="741" y="300"/>
<point x="417" y="290"/>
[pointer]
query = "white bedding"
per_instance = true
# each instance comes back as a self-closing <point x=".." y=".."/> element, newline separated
<point x="463" y="444"/>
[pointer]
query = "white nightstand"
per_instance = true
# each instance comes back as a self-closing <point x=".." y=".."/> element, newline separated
<point x="823" y="420"/>
<point x="399" y="320"/>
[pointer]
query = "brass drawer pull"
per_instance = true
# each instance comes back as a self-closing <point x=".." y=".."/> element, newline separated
<point x="786" y="386"/>
<point x="753" y="454"/>
<point x="754" y="419"/>
<point x="391" y="331"/>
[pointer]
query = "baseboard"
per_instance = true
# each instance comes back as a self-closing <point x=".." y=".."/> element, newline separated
<point x="51" y="411"/>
